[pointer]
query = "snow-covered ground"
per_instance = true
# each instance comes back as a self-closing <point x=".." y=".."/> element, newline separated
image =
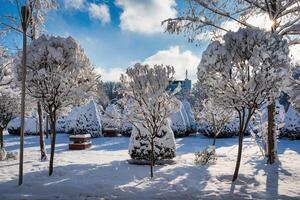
<point x="103" y="172"/>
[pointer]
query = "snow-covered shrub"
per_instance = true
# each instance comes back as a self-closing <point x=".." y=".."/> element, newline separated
<point x="61" y="124"/>
<point x="190" y="115"/>
<point x="126" y="129"/>
<point x="206" y="157"/>
<point x="291" y="127"/>
<point x="88" y="121"/>
<point x="3" y="154"/>
<point x="294" y="89"/>
<point x="12" y="155"/>
<point x="14" y="126"/>
<point x="183" y="121"/>
<point x="164" y="143"/>
<point x="70" y="119"/>
<point x="111" y="112"/>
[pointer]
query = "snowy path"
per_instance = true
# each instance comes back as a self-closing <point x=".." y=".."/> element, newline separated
<point x="103" y="173"/>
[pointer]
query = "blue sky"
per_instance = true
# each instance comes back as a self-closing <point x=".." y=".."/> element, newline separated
<point x="117" y="33"/>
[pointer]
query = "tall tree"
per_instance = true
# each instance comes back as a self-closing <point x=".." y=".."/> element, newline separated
<point x="60" y="75"/>
<point x="38" y="8"/>
<point x="243" y="72"/>
<point x="206" y="17"/>
<point x="31" y="12"/>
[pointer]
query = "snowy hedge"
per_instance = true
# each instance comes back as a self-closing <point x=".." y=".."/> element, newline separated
<point x="164" y="144"/>
<point x="231" y="129"/>
<point x="183" y="121"/>
<point x="14" y="126"/>
<point x="88" y="121"/>
<point x="126" y="129"/>
<point x="291" y="127"/>
<point x="111" y="111"/>
<point x="61" y="125"/>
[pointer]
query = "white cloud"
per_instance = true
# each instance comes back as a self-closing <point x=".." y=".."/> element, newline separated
<point x="74" y="4"/>
<point x="112" y="74"/>
<point x="145" y="16"/>
<point x="99" y="12"/>
<point x="180" y="60"/>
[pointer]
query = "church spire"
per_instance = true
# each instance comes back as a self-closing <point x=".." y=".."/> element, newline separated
<point x="186" y="74"/>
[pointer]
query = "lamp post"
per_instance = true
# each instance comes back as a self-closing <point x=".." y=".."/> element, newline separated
<point x="25" y="16"/>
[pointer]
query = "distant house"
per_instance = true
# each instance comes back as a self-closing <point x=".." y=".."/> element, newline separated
<point x="186" y="84"/>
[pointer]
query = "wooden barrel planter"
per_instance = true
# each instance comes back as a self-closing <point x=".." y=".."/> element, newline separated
<point x="80" y="142"/>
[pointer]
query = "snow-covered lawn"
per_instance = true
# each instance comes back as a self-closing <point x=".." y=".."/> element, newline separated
<point x="103" y="172"/>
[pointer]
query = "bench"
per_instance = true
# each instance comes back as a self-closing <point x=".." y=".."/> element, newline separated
<point x="80" y="142"/>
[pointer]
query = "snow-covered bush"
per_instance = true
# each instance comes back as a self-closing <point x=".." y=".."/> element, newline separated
<point x="61" y="124"/>
<point x="126" y="129"/>
<point x="3" y="154"/>
<point x="206" y="157"/>
<point x="70" y="119"/>
<point x="190" y="115"/>
<point x="164" y="143"/>
<point x="291" y="126"/>
<point x="111" y="112"/>
<point x="294" y="89"/>
<point x="183" y="121"/>
<point x="88" y="121"/>
<point x="14" y="126"/>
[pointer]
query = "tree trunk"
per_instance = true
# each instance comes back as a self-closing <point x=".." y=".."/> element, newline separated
<point x="239" y="157"/>
<point x="215" y="138"/>
<point x="47" y="126"/>
<point x="41" y="133"/>
<point x="152" y="158"/>
<point x="1" y="138"/>
<point x="271" y="133"/>
<point x="53" y="135"/>
<point x="25" y="12"/>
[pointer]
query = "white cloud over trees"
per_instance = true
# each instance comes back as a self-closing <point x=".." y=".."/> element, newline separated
<point x="145" y="16"/>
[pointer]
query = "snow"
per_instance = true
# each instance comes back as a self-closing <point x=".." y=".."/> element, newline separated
<point x="103" y="172"/>
<point x="80" y="136"/>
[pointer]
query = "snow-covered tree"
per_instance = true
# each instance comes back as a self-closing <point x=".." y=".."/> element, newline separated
<point x="88" y="121"/>
<point x="30" y="17"/>
<point x="149" y="105"/>
<point x="5" y="61"/>
<point x="202" y="19"/>
<point x="216" y="116"/>
<point x="9" y="104"/>
<point x="243" y="72"/>
<point x="59" y="75"/>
